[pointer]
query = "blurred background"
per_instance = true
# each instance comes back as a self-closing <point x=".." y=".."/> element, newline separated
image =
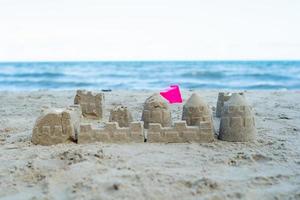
<point x="149" y="44"/>
<point x="150" y="75"/>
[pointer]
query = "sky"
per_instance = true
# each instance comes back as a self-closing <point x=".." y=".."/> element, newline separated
<point x="67" y="30"/>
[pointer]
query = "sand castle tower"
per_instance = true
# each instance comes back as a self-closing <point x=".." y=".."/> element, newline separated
<point x="156" y="110"/>
<point x="91" y="105"/>
<point x="56" y="126"/>
<point x="121" y="115"/>
<point x="196" y="110"/>
<point x="237" y="121"/>
<point x="222" y="98"/>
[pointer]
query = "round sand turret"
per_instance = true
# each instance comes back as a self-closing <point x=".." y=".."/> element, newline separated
<point x="237" y="120"/>
<point x="196" y="110"/>
<point x="121" y="115"/>
<point x="156" y="110"/>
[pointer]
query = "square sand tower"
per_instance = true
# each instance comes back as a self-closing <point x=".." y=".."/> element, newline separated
<point x="56" y="126"/>
<point x="121" y="115"/>
<point x="92" y="105"/>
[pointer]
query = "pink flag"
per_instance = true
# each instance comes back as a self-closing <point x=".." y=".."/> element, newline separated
<point x="172" y="94"/>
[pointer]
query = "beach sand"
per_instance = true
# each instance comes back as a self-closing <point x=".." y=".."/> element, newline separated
<point x="268" y="168"/>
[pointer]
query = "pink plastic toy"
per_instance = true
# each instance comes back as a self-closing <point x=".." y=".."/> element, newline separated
<point x="172" y="94"/>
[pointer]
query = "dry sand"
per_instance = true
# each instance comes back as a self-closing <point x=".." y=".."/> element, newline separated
<point x="266" y="169"/>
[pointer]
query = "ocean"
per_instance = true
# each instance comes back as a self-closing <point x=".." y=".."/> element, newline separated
<point x="248" y="75"/>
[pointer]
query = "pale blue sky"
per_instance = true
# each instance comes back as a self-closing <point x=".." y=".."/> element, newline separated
<point x="149" y="29"/>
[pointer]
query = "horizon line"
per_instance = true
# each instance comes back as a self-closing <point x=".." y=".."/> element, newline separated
<point x="159" y="60"/>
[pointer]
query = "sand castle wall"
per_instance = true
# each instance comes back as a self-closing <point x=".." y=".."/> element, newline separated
<point x="112" y="133"/>
<point x="180" y="132"/>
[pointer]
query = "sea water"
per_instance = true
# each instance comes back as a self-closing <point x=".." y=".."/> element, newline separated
<point x="150" y="75"/>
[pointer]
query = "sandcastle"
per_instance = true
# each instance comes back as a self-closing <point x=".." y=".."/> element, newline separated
<point x="91" y="105"/>
<point x="222" y="98"/>
<point x="195" y="110"/>
<point x="237" y="120"/>
<point x="63" y="125"/>
<point x="156" y="110"/>
<point x="121" y="115"/>
<point x="56" y="126"/>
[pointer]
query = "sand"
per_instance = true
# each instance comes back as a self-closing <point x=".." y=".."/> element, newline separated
<point x="268" y="168"/>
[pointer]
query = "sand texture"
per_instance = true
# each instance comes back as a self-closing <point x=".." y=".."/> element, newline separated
<point x="268" y="168"/>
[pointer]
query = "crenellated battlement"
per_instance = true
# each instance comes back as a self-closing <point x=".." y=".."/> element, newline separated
<point x="111" y="132"/>
<point x="180" y="132"/>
